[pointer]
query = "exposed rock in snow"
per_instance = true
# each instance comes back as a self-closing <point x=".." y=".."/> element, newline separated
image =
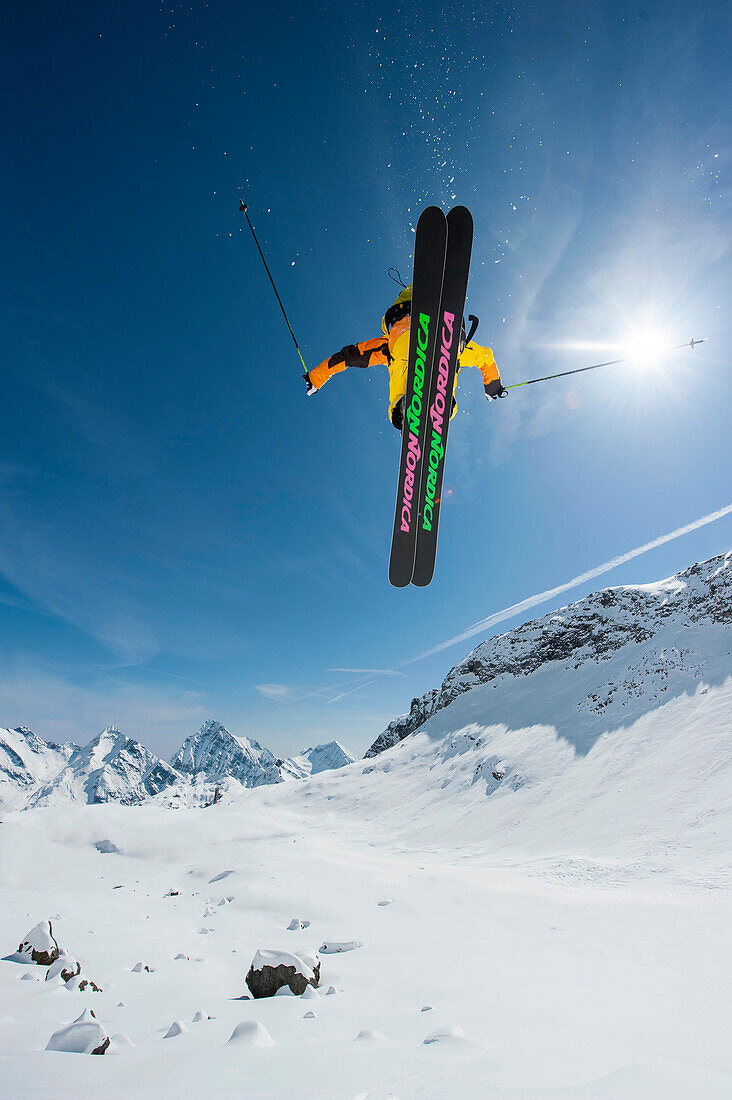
<point x="657" y="622"/>
<point x="142" y="968"/>
<point x="401" y="727"/>
<point x="111" y="768"/>
<point x="85" y="985"/>
<point x="107" y="847"/>
<point x="84" y="1036"/>
<point x="40" y="944"/>
<point x="319" y="759"/>
<point x="217" y="754"/>
<point x="27" y="760"/>
<point x="251" y="1033"/>
<point x="271" y="970"/>
<point x="65" y="967"/>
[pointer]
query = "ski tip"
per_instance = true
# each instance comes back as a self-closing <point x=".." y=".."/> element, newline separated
<point x="397" y="581"/>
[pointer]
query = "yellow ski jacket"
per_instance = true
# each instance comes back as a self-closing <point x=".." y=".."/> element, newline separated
<point x="392" y="349"/>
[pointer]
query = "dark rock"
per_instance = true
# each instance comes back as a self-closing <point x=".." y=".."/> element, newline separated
<point x="65" y="966"/>
<point x="40" y="944"/>
<point x="87" y="983"/>
<point x="271" y="970"/>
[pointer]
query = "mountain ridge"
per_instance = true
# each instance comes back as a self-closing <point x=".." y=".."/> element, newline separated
<point x="593" y="628"/>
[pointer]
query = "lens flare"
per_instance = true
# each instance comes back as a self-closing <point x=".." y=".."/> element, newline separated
<point x="646" y="346"/>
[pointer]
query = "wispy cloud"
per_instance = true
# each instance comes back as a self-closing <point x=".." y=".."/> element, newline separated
<point x="353" y="690"/>
<point x="551" y="593"/>
<point x="281" y="693"/>
<point x="369" y="671"/>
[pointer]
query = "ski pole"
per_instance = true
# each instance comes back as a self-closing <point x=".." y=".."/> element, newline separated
<point x="595" y="366"/>
<point x="243" y="208"/>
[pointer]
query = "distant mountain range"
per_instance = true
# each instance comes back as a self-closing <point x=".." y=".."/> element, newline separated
<point x="618" y="652"/>
<point x="116" y="768"/>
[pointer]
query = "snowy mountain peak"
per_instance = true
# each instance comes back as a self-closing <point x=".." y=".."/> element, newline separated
<point x="321" y="758"/>
<point x="26" y="760"/>
<point x="111" y="768"/>
<point x="217" y="754"/>
<point x="656" y="627"/>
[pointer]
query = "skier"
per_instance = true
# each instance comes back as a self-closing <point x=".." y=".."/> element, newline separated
<point x="392" y="349"/>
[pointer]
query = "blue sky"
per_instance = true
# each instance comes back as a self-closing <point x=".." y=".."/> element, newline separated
<point x="184" y="533"/>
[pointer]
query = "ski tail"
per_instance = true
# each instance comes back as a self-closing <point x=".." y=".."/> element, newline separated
<point x="439" y="407"/>
<point x="429" y="263"/>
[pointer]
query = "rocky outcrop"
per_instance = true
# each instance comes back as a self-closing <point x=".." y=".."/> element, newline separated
<point x="65" y="967"/>
<point x="421" y="709"/>
<point x="592" y="629"/>
<point x="271" y="970"/>
<point x="40" y="945"/>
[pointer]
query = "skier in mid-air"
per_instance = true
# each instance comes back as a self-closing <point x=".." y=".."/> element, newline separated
<point x="392" y="349"/>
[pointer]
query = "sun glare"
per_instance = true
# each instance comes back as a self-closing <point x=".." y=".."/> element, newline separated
<point x="647" y="345"/>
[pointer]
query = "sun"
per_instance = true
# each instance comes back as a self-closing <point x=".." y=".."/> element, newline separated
<point x="646" y="345"/>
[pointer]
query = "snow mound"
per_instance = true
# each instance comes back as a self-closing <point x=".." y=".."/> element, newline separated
<point x="176" y="1028"/>
<point x="333" y="947"/>
<point x="84" y="1036"/>
<point x="449" y="1032"/>
<point x="369" y="1035"/>
<point x="251" y="1033"/>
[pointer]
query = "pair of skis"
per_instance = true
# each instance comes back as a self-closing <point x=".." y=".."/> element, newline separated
<point x="442" y="250"/>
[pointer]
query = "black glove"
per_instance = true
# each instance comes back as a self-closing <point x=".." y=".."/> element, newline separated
<point x="310" y="386"/>
<point x="397" y="414"/>
<point x="495" y="389"/>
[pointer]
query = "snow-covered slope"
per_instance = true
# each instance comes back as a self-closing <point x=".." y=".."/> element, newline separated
<point x="533" y="887"/>
<point x="319" y="759"/>
<point x="27" y="760"/>
<point x="111" y="768"/>
<point x="216" y="754"/>
<point x="661" y="634"/>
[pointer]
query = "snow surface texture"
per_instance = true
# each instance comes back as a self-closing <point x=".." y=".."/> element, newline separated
<point x="210" y="764"/>
<point x="562" y="930"/>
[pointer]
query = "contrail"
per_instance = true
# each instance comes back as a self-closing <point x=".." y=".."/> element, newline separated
<point x="542" y="597"/>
